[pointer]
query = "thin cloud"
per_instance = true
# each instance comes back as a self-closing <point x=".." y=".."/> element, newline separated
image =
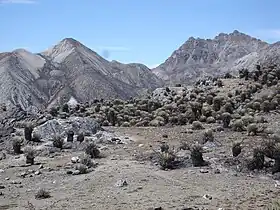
<point x="18" y="1"/>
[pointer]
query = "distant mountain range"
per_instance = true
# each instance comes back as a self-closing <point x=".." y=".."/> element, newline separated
<point x="70" y="70"/>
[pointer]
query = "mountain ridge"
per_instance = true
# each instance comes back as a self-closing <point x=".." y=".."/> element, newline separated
<point x="69" y="69"/>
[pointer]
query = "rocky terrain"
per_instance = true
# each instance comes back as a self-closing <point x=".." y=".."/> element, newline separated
<point x="212" y="145"/>
<point x="68" y="70"/>
<point x="71" y="71"/>
<point x="212" y="57"/>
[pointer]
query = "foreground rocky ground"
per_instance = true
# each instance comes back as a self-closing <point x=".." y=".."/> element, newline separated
<point x="212" y="146"/>
<point x="210" y="187"/>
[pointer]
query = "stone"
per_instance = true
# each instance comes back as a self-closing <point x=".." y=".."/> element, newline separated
<point x="2" y="187"/>
<point x="121" y="183"/>
<point x="203" y="171"/>
<point x="76" y="172"/>
<point x="75" y="159"/>
<point x="207" y="197"/>
<point x="15" y="182"/>
<point x="37" y="172"/>
<point x="23" y="174"/>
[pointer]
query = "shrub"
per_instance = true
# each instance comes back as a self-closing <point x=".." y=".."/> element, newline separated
<point x="252" y="129"/>
<point x="42" y="194"/>
<point x="226" y="117"/>
<point x="274" y="206"/>
<point x="30" y="155"/>
<point x="83" y="169"/>
<point x="70" y="136"/>
<point x="17" y="145"/>
<point x="36" y="137"/>
<point x="238" y="125"/>
<point x="92" y="150"/>
<point x="197" y="156"/>
<point x="58" y="141"/>
<point x="196" y="125"/>
<point x="164" y="147"/>
<point x="236" y="149"/>
<point x="208" y="135"/>
<point x="65" y="108"/>
<point x="167" y="160"/>
<point x="53" y="111"/>
<point x="28" y="129"/>
<point x="80" y="137"/>
<point x="258" y="160"/>
<point x="86" y="160"/>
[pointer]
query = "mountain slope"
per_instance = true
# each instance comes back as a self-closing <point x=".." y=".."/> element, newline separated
<point x="68" y="70"/>
<point x="200" y="57"/>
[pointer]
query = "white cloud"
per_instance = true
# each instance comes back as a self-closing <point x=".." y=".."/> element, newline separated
<point x="17" y="1"/>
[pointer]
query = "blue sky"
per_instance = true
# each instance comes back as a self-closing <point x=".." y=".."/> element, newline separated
<point x="145" y="31"/>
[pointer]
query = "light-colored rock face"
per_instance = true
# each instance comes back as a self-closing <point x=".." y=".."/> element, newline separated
<point x="69" y="69"/>
<point x="200" y="57"/>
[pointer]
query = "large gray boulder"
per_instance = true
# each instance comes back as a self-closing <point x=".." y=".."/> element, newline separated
<point x="61" y="126"/>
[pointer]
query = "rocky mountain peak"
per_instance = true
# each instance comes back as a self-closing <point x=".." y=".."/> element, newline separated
<point x="197" y="57"/>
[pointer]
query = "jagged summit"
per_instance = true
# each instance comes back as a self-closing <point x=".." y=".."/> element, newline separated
<point x="199" y="57"/>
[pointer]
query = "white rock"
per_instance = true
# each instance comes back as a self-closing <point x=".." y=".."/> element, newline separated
<point x="75" y="159"/>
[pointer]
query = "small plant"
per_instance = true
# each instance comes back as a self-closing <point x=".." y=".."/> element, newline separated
<point x="53" y="111"/>
<point x="196" y="125"/>
<point x="197" y="156"/>
<point x="258" y="160"/>
<point x="236" y="149"/>
<point x="83" y="169"/>
<point x="17" y="145"/>
<point x="30" y="155"/>
<point x="92" y="150"/>
<point x="226" y="117"/>
<point x="36" y="137"/>
<point x="70" y="136"/>
<point x="28" y="129"/>
<point x="86" y="160"/>
<point x="42" y="194"/>
<point x="65" y="108"/>
<point x="184" y="145"/>
<point x="208" y="135"/>
<point x="164" y="147"/>
<point x="274" y="206"/>
<point x="58" y="141"/>
<point x="252" y="129"/>
<point x="167" y="160"/>
<point x="80" y="137"/>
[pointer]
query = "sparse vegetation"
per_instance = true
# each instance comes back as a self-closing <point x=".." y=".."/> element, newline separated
<point x="92" y="150"/>
<point x="81" y="137"/>
<point x="87" y="161"/>
<point x="30" y="155"/>
<point x="17" y="145"/>
<point x="42" y="194"/>
<point x="197" y="156"/>
<point x="58" y="141"/>
<point x="83" y="169"/>
<point x="28" y="129"/>
<point x="236" y="149"/>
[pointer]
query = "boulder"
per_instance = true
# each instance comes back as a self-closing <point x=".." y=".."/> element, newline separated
<point x="61" y="126"/>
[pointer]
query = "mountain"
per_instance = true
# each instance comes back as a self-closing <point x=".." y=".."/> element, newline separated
<point x="68" y="70"/>
<point x="200" y="57"/>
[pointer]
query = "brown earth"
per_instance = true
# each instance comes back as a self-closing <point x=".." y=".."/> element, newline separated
<point x="148" y="185"/>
